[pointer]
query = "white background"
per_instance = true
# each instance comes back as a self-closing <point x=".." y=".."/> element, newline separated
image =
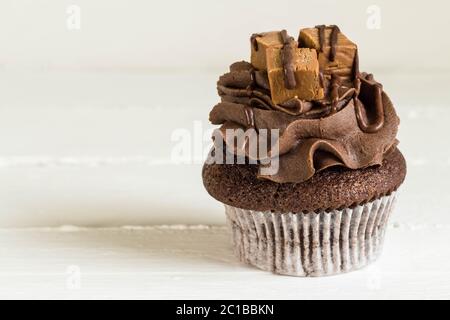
<point x="200" y="35"/>
<point x="87" y="118"/>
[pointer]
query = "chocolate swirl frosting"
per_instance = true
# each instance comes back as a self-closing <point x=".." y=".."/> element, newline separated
<point x="354" y="126"/>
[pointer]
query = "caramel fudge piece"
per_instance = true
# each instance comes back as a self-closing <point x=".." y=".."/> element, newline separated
<point x="306" y="72"/>
<point x="260" y="43"/>
<point x="336" y="52"/>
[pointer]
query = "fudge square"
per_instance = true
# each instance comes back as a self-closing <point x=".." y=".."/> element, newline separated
<point x="306" y="70"/>
<point x="260" y="43"/>
<point x="346" y="51"/>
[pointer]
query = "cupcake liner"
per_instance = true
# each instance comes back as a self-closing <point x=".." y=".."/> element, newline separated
<point x="311" y="244"/>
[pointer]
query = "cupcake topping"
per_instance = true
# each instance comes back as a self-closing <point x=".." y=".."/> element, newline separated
<point x="328" y="113"/>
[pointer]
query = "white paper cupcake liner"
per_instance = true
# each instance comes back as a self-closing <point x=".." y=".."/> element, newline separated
<point x="311" y="244"/>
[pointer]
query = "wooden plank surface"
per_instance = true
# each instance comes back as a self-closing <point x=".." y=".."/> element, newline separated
<point x="197" y="262"/>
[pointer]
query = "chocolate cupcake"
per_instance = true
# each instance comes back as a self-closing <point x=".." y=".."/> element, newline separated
<point x="305" y="159"/>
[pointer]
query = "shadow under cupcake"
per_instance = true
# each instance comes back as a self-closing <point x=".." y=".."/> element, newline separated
<point x="325" y="208"/>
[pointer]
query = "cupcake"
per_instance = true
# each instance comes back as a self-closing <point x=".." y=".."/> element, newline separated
<point x="305" y="159"/>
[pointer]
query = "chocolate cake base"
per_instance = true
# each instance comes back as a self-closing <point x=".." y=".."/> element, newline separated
<point x="334" y="188"/>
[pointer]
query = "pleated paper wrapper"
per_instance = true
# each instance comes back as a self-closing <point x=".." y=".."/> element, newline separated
<point x="311" y="244"/>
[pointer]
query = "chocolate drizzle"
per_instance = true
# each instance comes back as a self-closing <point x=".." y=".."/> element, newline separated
<point x="321" y="30"/>
<point x="259" y="103"/>
<point x="287" y="57"/>
<point x="356" y="65"/>
<point x="335" y="84"/>
<point x="261" y="79"/>
<point x="321" y="79"/>
<point x="249" y="116"/>
<point x="333" y="39"/>
<point x="370" y="91"/>
<point x="253" y="40"/>
<point x="333" y="42"/>
<point x="369" y="107"/>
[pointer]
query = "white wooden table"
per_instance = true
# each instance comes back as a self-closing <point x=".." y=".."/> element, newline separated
<point x="198" y="263"/>
<point x="93" y="150"/>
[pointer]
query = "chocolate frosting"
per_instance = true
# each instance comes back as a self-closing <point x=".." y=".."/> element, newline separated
<point x="355" y="126"/>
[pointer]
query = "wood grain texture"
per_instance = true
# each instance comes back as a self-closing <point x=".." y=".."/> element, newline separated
<point x="197" y="263"/>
